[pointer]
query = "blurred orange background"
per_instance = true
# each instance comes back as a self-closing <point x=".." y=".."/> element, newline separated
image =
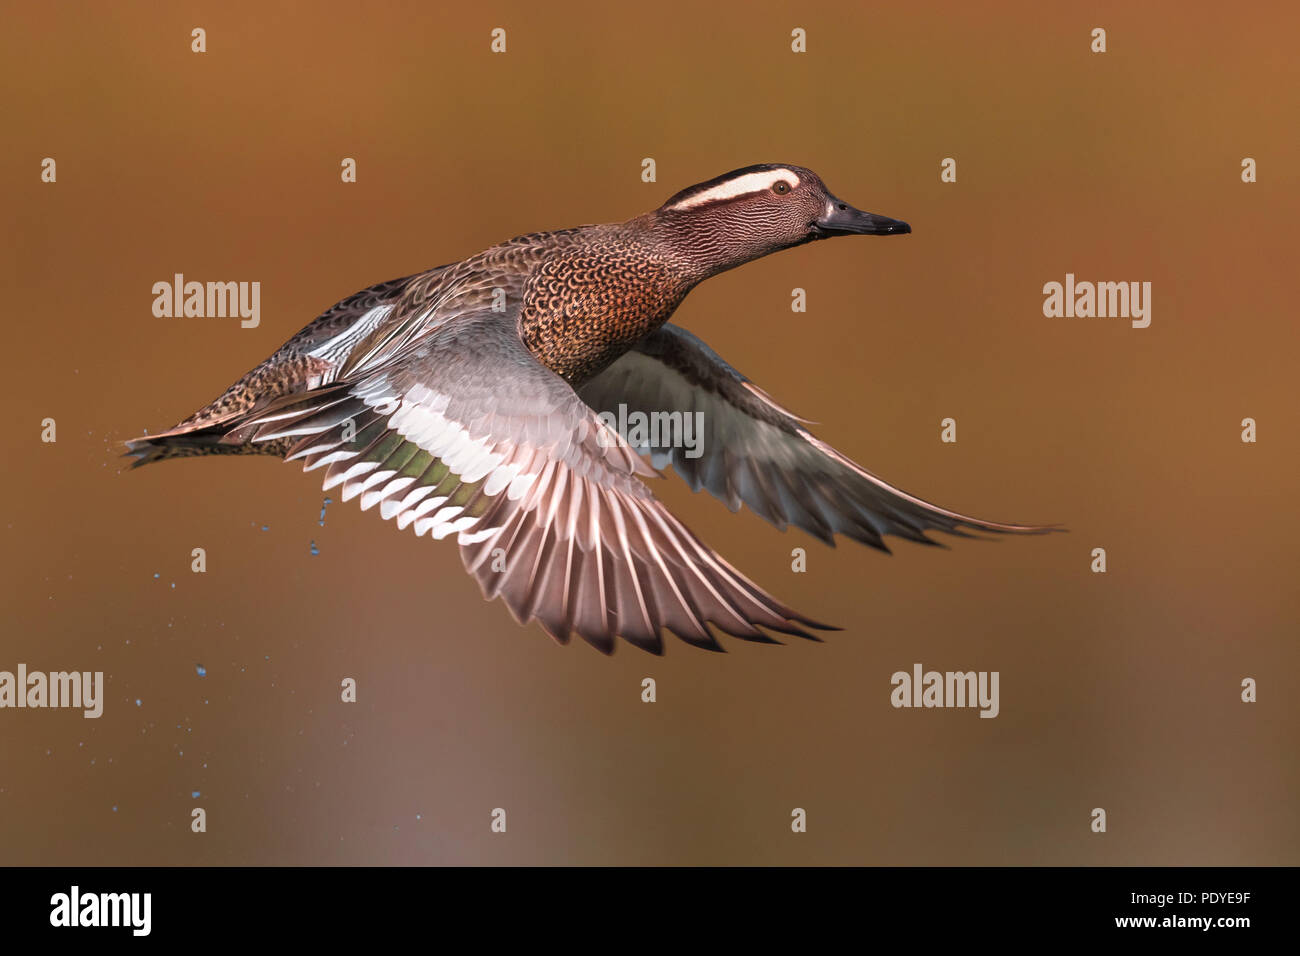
<point x="1119" y="691"/>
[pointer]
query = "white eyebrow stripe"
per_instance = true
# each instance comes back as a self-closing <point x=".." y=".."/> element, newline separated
<point x="740" y="186"/>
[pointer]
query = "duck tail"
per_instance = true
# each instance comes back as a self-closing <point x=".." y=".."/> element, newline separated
<point x="150" y="448"/>
<point x="200" y="441"/>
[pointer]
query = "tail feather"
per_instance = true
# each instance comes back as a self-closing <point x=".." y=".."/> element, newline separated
<point x="202" y="441"/>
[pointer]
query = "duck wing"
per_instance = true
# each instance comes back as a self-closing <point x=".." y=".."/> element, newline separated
<point x="757" y="453"/>
<point x="461" y="431"/>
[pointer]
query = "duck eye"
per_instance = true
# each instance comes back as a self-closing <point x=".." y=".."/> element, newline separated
<point x="781" y="188"/>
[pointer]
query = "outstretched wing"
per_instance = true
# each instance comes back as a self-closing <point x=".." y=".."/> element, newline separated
<point x="756" y="452"/>
<point x="463" y="432"/>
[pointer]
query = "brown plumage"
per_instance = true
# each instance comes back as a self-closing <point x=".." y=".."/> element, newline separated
<point x="465" y="400"/>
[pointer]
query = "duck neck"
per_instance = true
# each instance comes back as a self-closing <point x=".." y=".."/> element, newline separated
<point x="703" y="244"/>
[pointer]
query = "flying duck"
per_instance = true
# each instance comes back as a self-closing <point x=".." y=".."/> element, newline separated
<point x="467" y="400"/>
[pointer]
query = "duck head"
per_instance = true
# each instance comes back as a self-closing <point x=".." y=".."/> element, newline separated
<point x="751" y="212"/>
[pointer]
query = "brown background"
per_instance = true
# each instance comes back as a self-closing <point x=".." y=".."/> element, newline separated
<point x="1119" y="691"/>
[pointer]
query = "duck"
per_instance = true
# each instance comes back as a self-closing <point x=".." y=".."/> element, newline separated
<point x="477" y="400"/>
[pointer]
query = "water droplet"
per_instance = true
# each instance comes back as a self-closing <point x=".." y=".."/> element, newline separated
<point x="156" y="575"/>
<point x="314" y="550"/>
<point x="194" y="794"/>
<point x="200" y="670"/>
<point x="137" y="702"/>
